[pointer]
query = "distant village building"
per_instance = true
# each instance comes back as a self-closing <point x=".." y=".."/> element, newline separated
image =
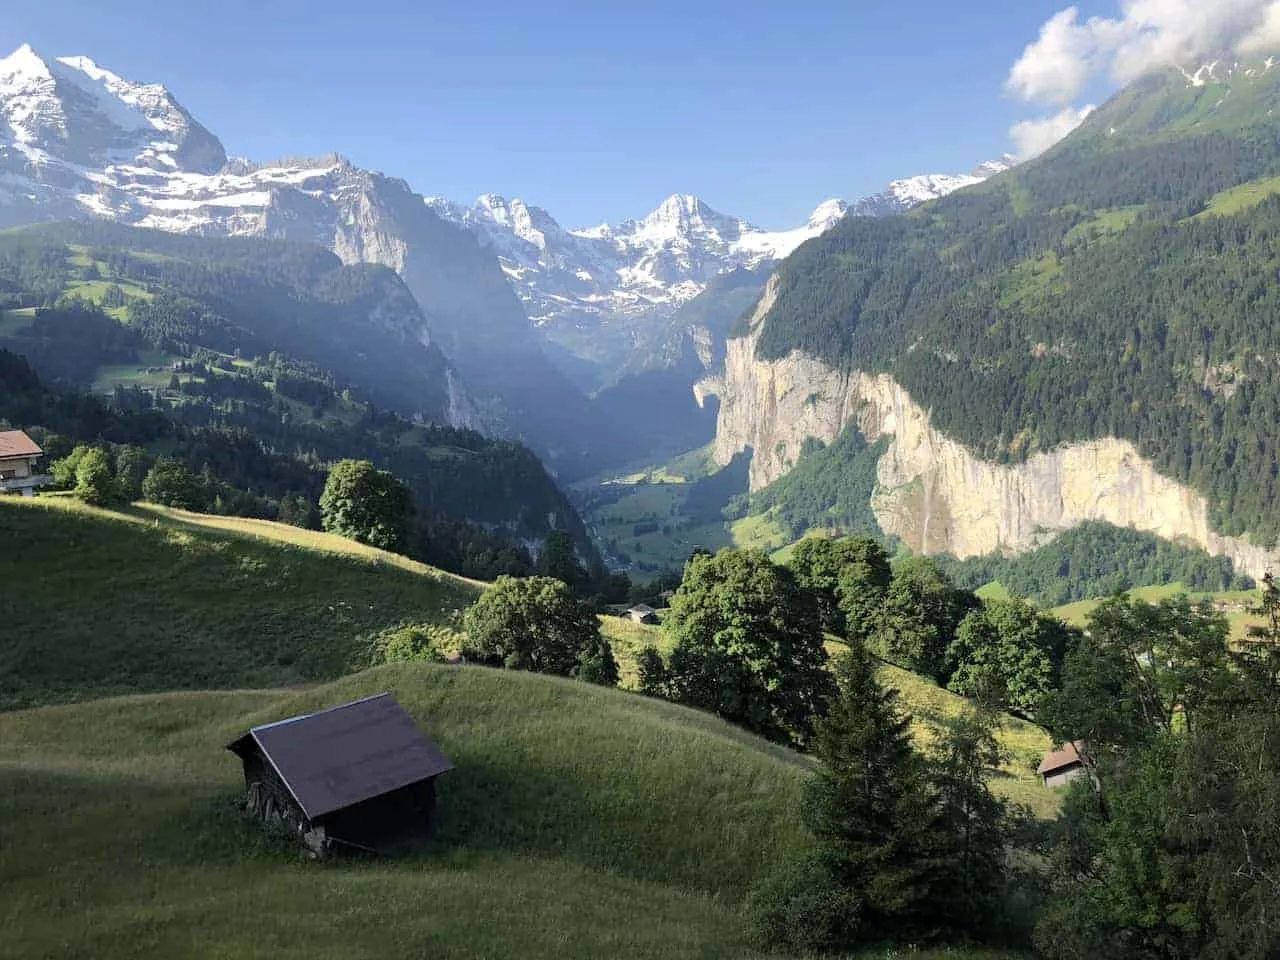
<point x="18" y="457"/>
<point x="1060" y="767"/>
<point x="358" y="776"/>
<point x="643" y="613"/>
<point x="666" y="595"/>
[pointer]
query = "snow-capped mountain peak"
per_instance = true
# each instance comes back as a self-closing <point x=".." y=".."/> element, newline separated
<point x="72" y="110"/>
<point x="827" y="214"/>
<point x="993" y="167"/>
<point x="22" y="63"/>
<point x="679" y="208"/>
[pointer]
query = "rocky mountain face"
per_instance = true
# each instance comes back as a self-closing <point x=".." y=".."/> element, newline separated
<point x="77" y="142"/>
<point x="931" y="492"/>
<point x="605" y="294"/>
<point x="944" y="363"/>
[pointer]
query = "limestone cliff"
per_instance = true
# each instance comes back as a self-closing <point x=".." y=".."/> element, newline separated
<point x="932" y="492"/>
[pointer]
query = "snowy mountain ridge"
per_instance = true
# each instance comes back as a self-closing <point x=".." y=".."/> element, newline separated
<point x="601" y="292"/>
<point x="77" y="140"/>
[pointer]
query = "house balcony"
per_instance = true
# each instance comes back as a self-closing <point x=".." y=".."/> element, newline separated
<point x="26" y="486"/>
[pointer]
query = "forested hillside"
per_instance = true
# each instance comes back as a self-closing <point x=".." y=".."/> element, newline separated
<point x="247" y="297"/>
<point x="256" y="364"/>
<point x="1123" y="284"/>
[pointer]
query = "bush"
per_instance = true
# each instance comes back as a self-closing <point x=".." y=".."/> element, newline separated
<point x="94" y="481"/>
<point x="415" y="643"/>
<point x="64" y="470"/>
<point x="170" y="484"/>
<point x="802" y="908"/>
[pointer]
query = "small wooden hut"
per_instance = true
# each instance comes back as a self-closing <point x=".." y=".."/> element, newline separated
<point x="358" y="776"/>
<point x="1059" y="767"/>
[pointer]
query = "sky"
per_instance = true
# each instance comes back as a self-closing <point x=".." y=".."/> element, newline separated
<point x="598" y="110"/>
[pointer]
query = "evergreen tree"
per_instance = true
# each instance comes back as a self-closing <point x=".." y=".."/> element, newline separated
<point x="596" y="663"/>
<point x="868" y="808"/>
<point x="652" y="671"/>
<point x="971" y="825"/>
<point x="868" y="803"/>
<point x="559" y="559"/>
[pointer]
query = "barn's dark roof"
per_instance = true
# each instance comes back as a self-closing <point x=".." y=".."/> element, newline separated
<point x="347" y="754"/>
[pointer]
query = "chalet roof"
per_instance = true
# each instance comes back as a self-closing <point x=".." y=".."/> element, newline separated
<point x="344" y="755"/>
<point x="643" y="609"/>
<point x="15" y="443"/>
<point x="1068" y="755"/>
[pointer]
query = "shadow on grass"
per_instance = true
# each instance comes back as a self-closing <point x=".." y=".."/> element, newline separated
<point x="108" y="821"/>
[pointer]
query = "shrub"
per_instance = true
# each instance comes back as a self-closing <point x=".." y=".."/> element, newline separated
<point x="804" y="909"/>
<point x="414" y="643"/>
<point x="94" y="482"/>
<point x="170" y="484"/>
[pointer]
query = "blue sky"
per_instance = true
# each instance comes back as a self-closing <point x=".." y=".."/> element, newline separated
<point x="594" y="110"/>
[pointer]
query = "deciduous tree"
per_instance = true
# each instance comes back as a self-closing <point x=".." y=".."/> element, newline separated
<point x="94" y="481"/>
<point x="366" y="504"/>
<point x="747" y="645"/>
<point x="1008" y="654"/>
<point x="535" y="624"/>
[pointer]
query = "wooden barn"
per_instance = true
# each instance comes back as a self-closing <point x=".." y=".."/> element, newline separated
<point x="1059" y="767"/>
<point x="358" y="776"/>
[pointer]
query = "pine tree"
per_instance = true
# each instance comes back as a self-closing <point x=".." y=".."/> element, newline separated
<point x="867" y="805"/>
<point x="971" y="825"/>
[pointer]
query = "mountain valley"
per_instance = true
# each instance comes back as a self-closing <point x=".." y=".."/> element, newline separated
<point x="392" y="576"/>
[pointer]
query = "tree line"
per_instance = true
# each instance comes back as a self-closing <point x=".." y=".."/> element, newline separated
<point x="1167" y="847"/>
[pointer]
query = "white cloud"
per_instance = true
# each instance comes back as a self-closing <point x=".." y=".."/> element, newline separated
<point x="1057" y="66"/>
<point x="1146" y="35"/>
<point x="1033" y="137"/>
<point x="1266" y="36"/>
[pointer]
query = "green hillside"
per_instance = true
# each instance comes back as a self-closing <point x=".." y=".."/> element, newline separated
<point x="578" y="822"/>
<point x="100" y="603"/>
<point x="273" y="349"/>
<point x="1080" y="295"/>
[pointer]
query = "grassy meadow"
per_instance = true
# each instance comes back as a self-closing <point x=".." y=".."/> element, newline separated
<point x="1077" y="614"/>
<point x="579" y="821"/>
<point x="154" y="600"/>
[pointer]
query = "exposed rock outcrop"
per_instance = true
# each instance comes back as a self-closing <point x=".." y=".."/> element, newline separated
<point x="931" y="491"/>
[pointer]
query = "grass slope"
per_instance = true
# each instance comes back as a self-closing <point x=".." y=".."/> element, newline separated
<point x="99" y="603"/>
<point x="579" y="822"/>
<point x="930" y="706"/>
<point x="1238" y="605"/>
